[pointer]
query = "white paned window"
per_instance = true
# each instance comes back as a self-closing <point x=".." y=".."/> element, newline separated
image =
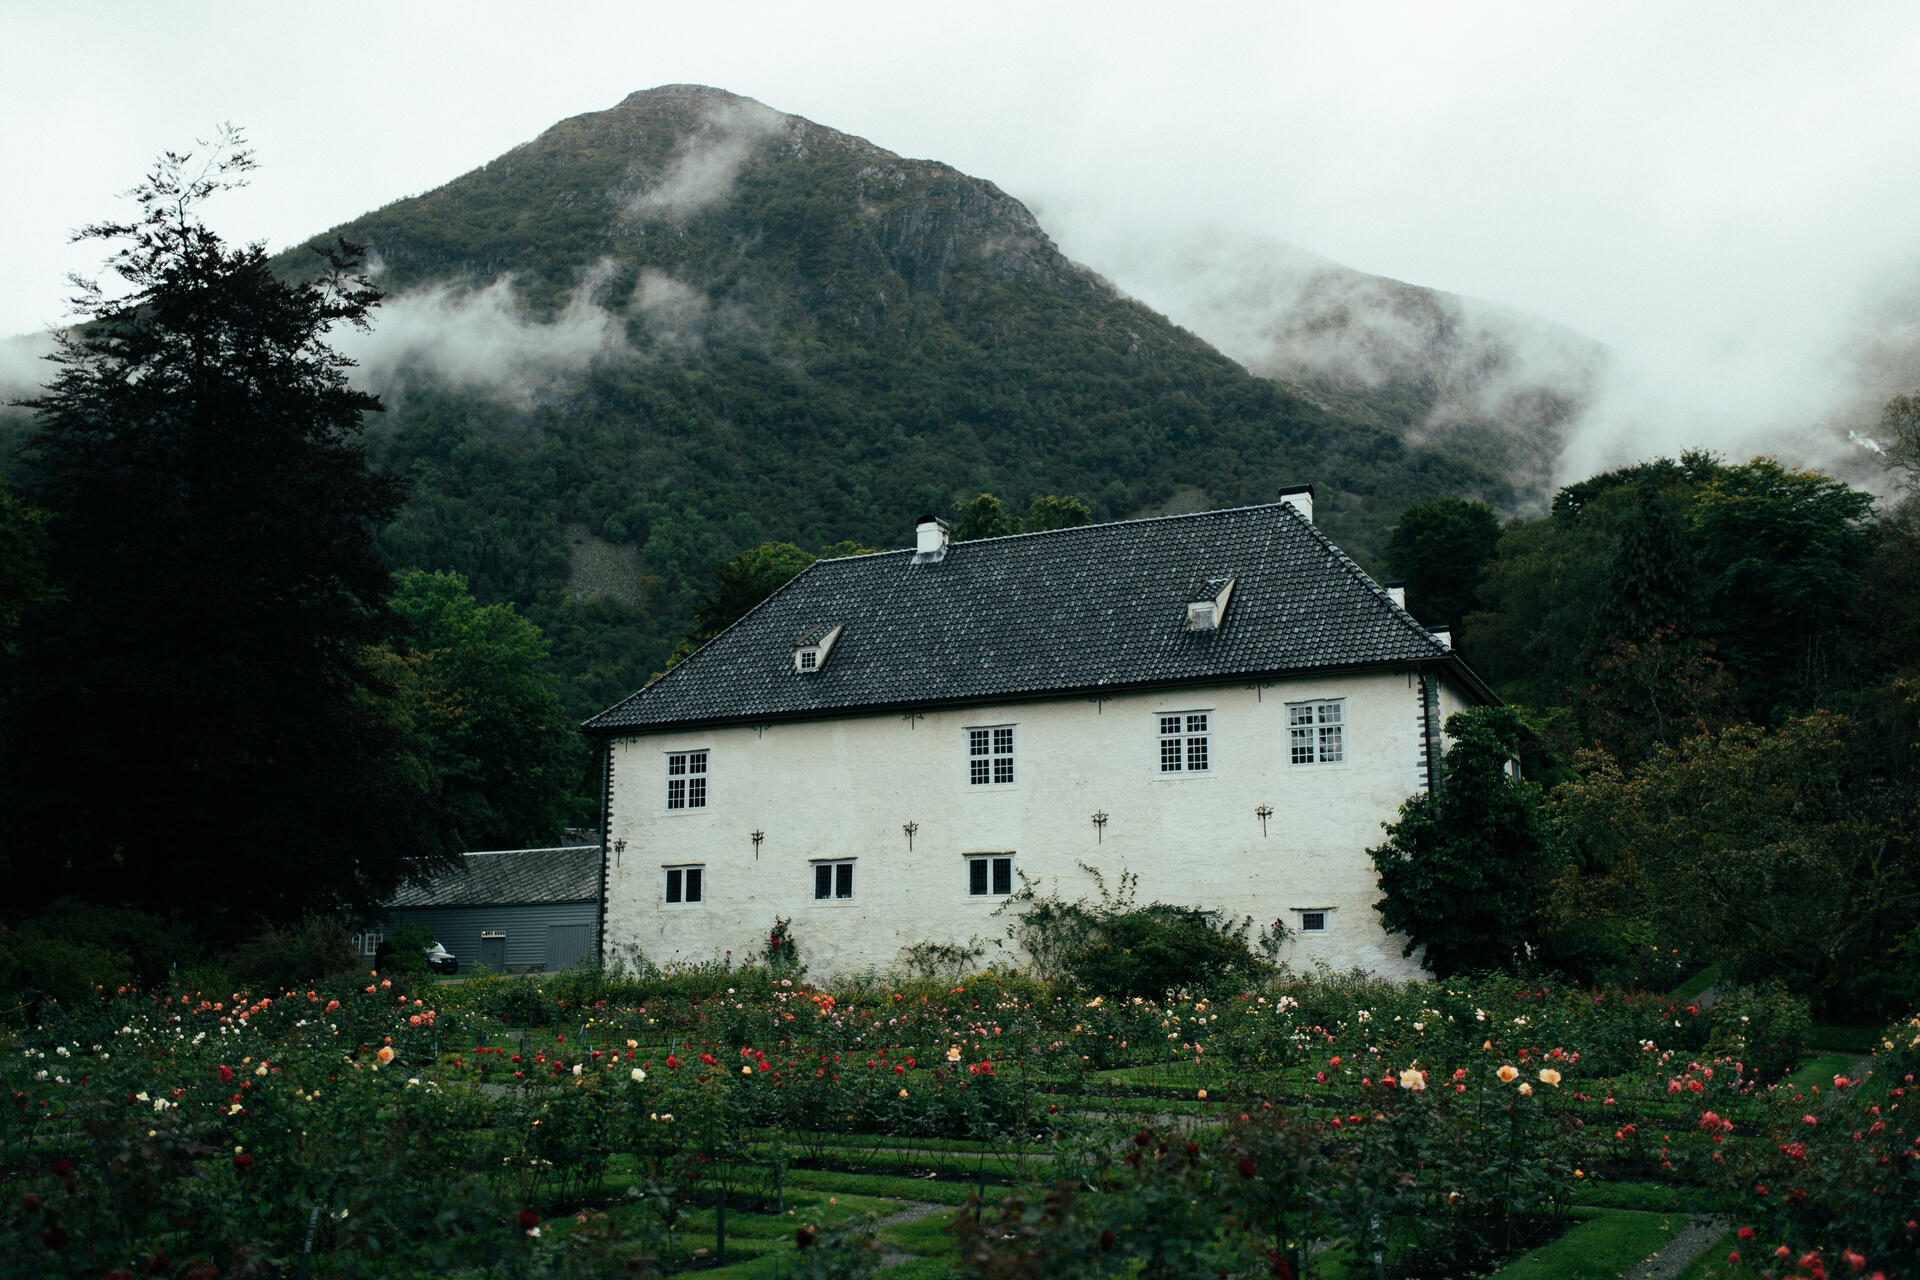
<point x="1185" y="742"/>
<point x="687" y="780"/>
<point x="1313" y="922"/>
<point x="833" y="881"/>
<point x="990" y="756"/>
<point x="685" y="885"/>
<point x="1316" y="733"/>
<point x="989" y="875"/>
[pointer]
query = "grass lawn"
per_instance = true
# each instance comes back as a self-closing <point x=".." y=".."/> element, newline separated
<point x="1822" y="1070"/>
<point x="1696" y="984"/>
<point x="1603" y="1248"/>
<point x="1646" y="1197"/>
<point x="1838" y="1038"/>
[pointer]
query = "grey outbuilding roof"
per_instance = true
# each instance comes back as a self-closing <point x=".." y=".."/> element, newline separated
<point x="512" y="877"/>
<point x="1095" y="609"/>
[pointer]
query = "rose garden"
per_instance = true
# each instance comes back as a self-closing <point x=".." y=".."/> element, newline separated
<point x="735" y="1121"/>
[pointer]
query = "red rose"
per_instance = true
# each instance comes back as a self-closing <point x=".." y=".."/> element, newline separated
<point x="1108" y="1240"/>
<point x="61" y="1168"/>
<point x="55" y="1237"/>
<point x="528" y="1219"/>
<point x="30" y="1202"/>
<point x="242" y="1163"/>
<point x="803" y="1237"/>
<point x="1247" y="1167"/>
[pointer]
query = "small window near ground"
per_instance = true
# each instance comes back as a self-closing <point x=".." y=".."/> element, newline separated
<point x="989" y="875"/>
<point x="1316" y="732"/>
<point x="832" y="881"/>
<point x="1313" y="920"/>
<point x="685" y="885"/>
<point x="687" y="780"/>
<point x="1185" y="742"/>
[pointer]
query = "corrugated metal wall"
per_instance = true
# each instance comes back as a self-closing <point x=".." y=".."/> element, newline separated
<point x="526" y="927"/>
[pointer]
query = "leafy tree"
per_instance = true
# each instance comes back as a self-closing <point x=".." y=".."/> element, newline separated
<point x="1784" y="551"/>
<point x="1652" y="587"/>
<point x="1900" y="424"/>
<point x="982" y="516"/>
<point x="1464" y="866"/>
<point x="196" y="729"/>
<point x="504" y="754"/>
<point x="26" y="580"/>
<point x="1771" y="849"/>
<point x="1440" y="548"/>
<point x="743" y="582"/>
<point x="1052" y="512"/>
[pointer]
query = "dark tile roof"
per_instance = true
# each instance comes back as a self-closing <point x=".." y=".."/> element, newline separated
<point x="1101" y="607"/>
<point x="512" y="877"/>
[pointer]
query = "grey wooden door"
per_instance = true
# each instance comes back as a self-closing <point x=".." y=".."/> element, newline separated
<point x="568" y="945"/>
<point x="493" y="950"/>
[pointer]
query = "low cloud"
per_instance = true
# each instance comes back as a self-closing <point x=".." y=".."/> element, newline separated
<point x="24" y="368"/>
<point x="707" y="161"/>
<point x="1284" y="312"/>
<point x="485" y="338"/>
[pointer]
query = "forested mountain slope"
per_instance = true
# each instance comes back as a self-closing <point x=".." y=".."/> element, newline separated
<point x="659" y="334"/>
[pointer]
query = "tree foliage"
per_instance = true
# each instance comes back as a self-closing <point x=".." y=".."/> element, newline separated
<point x="1440" y="548"/>
<point x="985" y="516"/>
<point x="1772" y="849"/>
<point x="1463" y="868"/>
<point x="504" y="754"/>
<point x="196" y="729"/>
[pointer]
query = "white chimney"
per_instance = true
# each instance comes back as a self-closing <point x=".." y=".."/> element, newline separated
<point x="1300" y="498"/>
<point x="1397" y="591"/>
<point x="930" y="536"/>
<point x="1443" y="634"/>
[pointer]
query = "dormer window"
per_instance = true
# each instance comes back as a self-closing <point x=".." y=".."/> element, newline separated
<point x="1208" y="607"/>
<point x="810" y="650"/>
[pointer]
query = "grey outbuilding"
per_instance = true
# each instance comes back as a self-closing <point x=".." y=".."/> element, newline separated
<point x="510" y="910"/>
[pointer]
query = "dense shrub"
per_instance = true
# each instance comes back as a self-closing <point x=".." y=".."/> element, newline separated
<point x="1114" y="946"/>
<point x="318" y="949"/>
<point x="1158" y="949"/>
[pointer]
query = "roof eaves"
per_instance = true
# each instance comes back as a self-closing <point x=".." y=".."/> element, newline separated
<point x="855" y="710"/>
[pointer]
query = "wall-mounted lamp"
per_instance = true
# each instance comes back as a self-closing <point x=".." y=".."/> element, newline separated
<point x="758" y="836"/>
<point x="909" y="828"/>
<point x="619" y="847"/>
<point x="1264" y="812"/>
<point x="1100" y="826"/>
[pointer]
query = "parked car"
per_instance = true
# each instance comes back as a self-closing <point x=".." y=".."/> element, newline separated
<point x="441" y="960"/>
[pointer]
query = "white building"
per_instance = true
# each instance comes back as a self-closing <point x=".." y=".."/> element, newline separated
<point x="1222" y="704"/>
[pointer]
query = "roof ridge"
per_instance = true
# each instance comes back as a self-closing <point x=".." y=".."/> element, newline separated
<point x="1072" y="528"/>
<point x="550" y="848"/>
<point x="1396" y="611"/>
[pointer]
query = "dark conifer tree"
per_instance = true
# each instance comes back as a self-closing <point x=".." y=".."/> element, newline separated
<point x="1652" y="588"/>
<point x="195" y="730"/>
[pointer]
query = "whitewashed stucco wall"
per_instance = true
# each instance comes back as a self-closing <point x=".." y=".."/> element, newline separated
<point x="844" y="788"/>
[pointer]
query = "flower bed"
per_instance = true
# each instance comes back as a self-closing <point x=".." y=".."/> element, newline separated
<point x="184" y="1134"/>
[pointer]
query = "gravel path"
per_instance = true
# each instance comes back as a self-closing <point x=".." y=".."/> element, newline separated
<point x="1687" y="1244"/>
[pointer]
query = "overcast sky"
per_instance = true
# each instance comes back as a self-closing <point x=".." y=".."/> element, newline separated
<point x="1724" y="192"/>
